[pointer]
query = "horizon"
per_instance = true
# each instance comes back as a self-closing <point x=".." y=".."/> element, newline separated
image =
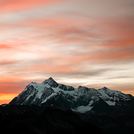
<point x="77" y="42"/>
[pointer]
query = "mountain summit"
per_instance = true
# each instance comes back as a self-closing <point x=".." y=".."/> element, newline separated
<point x="51" y="82"/>
<point x="81" y="99"/>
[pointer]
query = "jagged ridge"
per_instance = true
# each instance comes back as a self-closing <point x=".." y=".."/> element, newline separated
<point x="81" y="99"/>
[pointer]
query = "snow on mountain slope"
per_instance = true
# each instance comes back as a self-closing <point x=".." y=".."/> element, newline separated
<point x="83" y="109"/>
<point x="81" y="99"/>
<point x="112" y="97"/>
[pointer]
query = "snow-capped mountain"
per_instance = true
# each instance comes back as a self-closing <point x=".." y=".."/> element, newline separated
<point x="81" y="99"/>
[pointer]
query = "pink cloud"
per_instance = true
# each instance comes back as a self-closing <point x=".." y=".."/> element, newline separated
<point x="16" y="5"/>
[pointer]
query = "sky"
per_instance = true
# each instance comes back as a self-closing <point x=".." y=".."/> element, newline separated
<point x="77" y="42"/>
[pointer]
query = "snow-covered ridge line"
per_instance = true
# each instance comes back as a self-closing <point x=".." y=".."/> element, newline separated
<point x="81" y="99"/>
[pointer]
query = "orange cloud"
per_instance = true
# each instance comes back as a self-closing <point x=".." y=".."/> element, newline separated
<point x="11" y="87"/>
<point x="5" y="46"/>
<point x="10" y="78"/>
<point x="7" y="62"/>
<point x="53" y="69"/>
<point x="15" y="5"/>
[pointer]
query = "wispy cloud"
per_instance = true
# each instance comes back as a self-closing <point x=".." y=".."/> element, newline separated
<point x="76" y="41"/>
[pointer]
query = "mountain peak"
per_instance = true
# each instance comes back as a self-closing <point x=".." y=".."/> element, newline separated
<point x="50" y="81"/>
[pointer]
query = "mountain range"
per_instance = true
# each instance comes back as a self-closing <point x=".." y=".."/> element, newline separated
<point x="81" y="99"/>
<point x="50" y="107"/>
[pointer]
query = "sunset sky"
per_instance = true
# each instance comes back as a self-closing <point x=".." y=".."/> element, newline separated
<point x="77" y="42"/>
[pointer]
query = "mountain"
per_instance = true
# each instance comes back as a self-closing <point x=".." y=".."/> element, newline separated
<point x="49" y="93"/>
<point x="50" y="107"/>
